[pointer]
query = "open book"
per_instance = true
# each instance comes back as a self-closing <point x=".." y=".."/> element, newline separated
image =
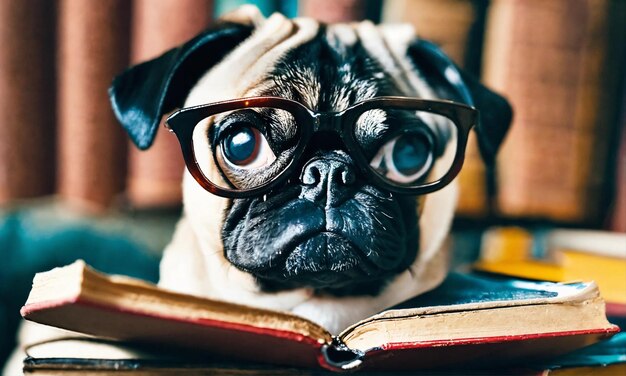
<point x="461" y="323"/>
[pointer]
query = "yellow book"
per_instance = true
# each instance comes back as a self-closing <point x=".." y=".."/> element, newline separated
<point x="610" y="370"/>
<point x="509" y="251"/>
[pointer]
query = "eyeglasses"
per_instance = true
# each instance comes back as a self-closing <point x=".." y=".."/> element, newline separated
<point x="246" y="147"/>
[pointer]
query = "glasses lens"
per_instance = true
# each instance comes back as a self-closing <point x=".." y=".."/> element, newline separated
<point x="245" y="149"/>
<point x="407" y="147"/>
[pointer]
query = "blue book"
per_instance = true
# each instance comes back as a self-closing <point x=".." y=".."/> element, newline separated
<point x="267" y="7"/>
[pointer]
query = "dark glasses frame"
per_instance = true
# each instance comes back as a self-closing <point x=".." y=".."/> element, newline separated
<point x="183" y="122"/>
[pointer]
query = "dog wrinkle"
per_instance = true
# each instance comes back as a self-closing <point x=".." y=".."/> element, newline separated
<point x="300" y="31"/>
<point x="342" y="32"/>
<point x="347" y="75"/>
<point x="370" y="126"/>
<point x="309" y="86"/>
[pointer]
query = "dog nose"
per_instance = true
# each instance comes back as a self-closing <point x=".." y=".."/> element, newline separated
<point x="329" y="179"/>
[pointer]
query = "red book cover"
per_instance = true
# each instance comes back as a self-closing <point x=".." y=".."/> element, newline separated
<point x="27" y="99"/>
<point x="93" y="48"/>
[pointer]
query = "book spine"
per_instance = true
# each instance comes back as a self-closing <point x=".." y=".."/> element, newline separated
<point x="338" y="357"/>
<point x="551" y="60"/>
<point x="93" y="44"/>
<point x="618" y="218"/>
<point x="333" y="10"/>
<point x="154" y="175"/>
<point x="27" y="99"/>
<point x="446" y="23"/>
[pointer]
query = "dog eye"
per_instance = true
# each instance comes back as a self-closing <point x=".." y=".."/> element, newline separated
<point x="246" y="147"/>
<point x="405" y="158"/>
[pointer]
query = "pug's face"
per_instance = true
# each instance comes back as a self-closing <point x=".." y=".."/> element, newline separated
<point x="327" y="226"/>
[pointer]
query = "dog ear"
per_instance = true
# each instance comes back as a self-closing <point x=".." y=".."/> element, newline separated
<point x="451" y="83"/>
<point x="142" y="94"/>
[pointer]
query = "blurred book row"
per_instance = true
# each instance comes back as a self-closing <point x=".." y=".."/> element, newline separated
<point x="560" y="63"/>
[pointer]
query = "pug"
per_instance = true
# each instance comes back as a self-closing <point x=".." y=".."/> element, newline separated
<point x="331" y="228"/>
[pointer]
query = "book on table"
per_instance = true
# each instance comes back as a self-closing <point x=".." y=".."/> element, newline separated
<point x="559" y="255"/>
<point x="462" y="323"/>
